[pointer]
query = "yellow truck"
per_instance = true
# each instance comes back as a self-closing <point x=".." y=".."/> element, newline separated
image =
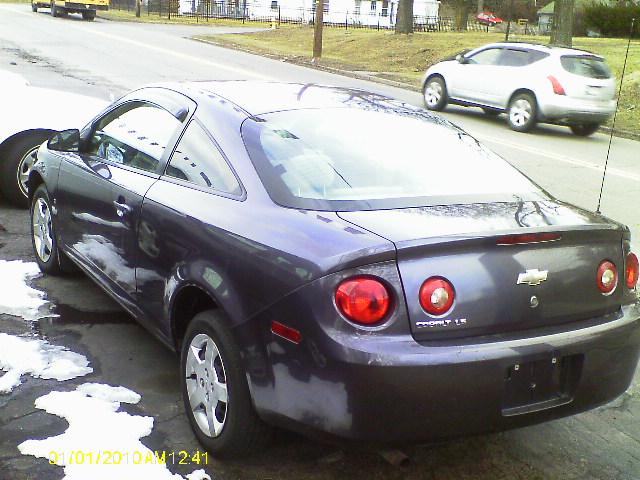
<point x="60" y="8"/>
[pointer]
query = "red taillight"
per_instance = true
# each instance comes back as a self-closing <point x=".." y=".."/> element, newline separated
<point x="607" y="277"/>
<point x="363" y="300"/>
<point x="557" y="88"/>
<point x="632" y="271"/>
<point x="285" y="332"/>
<point x="527" y="238"/>
<point x="436" y="295"/>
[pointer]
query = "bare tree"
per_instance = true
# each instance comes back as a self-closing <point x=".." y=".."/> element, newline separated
<point x="561" y="33"/>
<point x="317" y="30"/>
<point x="404" y="18"/>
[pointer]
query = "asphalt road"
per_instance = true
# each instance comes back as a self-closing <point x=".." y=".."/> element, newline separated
<point x="105" y="59"/>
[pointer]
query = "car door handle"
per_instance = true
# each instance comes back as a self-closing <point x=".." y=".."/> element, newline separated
<point x="122" y="209"/>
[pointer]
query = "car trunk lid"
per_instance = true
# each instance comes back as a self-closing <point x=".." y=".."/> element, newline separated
<point x="500" y="288"/>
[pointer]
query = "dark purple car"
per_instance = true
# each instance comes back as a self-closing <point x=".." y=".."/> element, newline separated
<point x="334" y="261"/>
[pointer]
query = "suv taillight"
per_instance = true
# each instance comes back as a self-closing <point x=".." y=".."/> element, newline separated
<point x="557" y="88"/>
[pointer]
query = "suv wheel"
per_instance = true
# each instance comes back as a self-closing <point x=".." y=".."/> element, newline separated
<point x="435" y="94"/>
<point x="522" y="112"/>
<point x="584" y="129"/>
<point x="215" y="391"/>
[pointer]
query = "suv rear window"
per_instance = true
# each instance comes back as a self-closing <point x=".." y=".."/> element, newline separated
<point x="585" y="66"/>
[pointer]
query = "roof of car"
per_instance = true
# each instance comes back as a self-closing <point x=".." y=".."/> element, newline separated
<point x="259" y="97"/>
<point x="542" y="48"/>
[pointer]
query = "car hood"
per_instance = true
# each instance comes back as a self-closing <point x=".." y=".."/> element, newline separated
<point x="43" y="108"/>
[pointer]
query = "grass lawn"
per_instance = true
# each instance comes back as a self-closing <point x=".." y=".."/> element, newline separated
<point x="405" y="58"/>
<point x="130" y="16"/>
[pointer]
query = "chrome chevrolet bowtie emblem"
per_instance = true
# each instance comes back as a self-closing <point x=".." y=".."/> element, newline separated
<point x="532" y="277"/>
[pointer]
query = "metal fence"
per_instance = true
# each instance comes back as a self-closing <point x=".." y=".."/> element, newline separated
<point x="203" y="10"/>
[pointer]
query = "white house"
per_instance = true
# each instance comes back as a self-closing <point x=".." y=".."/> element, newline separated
<point x="354" y="12"/>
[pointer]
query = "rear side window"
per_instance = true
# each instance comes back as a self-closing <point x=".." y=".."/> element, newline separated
<point x="586" y="66"/>
<point x="198" y="160"/>
<point x="520" y="58"/>
<point x="514" y="58"/>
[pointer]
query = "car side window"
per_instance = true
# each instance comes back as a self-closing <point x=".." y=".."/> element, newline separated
<point x="486" y="57"/>
<point x="134" y="135"/>
<point x="513" y="58"/>
<point x="198" y="160"/>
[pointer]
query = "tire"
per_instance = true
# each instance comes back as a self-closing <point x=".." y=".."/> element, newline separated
<point x="238" y="431"/>
<point x="16" y="166"/>
<point x="434" y="93"/>
<point x="584" y="129"/>
<point x="34" y="7"/>
<point x="49" y="258"/>
<point x="522" y="112"/>
<point x="491" y="112"/>
<point x="89" y="16"/>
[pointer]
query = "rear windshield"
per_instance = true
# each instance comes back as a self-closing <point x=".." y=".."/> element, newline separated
<point x="585" y="66"/>
<point x="353" y="159"/>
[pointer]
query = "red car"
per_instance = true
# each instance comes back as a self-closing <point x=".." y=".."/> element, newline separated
<point x="488" y="18"/>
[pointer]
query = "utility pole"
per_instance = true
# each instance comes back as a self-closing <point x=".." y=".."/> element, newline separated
<point x="138" y="5"/>
<point x="317" y="31"/>
<point x="506" y="35"/>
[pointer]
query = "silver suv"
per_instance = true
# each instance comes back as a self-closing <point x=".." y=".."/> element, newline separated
<point x="531" y="83"/>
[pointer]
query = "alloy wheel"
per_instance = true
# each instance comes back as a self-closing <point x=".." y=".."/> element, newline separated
<point x="520" y="112"/>
<point x="206" y="383"/>
<point x="433" y="93"/>
<point x="25" y="165"/>
<point x="42" y="230"/>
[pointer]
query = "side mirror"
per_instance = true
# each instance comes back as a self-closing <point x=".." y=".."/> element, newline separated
<point x="461" y="59"/>
<point x="65" y="141"/>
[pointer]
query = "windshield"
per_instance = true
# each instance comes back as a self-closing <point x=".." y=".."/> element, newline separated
<point x="352" y="159"/>
<point x="586" y="66"/>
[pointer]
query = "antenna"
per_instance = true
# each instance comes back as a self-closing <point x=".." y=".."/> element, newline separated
<point x="613" y="126"/>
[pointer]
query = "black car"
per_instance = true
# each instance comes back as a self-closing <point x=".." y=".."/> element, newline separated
<point x="334" y="261"/>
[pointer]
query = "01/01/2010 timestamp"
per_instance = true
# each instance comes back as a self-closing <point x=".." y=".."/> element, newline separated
<point x="127" y="457"/>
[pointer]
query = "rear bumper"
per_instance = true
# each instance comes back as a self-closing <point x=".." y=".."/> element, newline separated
<point x="559" y="108"/>
<point x="396" y="390"/>
<point x="83" y="7"/>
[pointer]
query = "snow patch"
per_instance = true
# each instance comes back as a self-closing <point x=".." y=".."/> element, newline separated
<point x="38" y="358"/>
<point x="98" y="435"/>
<point x="16" y="296"/>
